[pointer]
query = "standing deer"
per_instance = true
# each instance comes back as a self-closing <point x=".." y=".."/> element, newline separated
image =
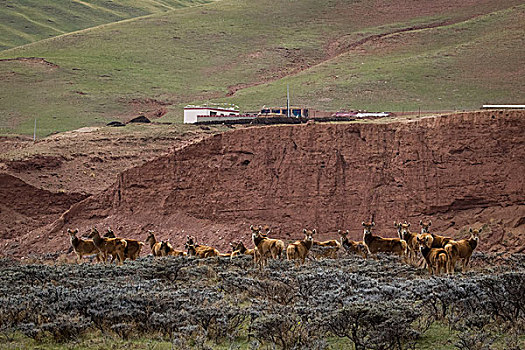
<point x="377" y="244"/>
<point x="265" y="247"/>
<point x="133" y="246"/>
<point x="462" y="249"/>
<point x="83" y="247"/>
<point x="437" y="259"/>
<point x="112" y="246"/>
<point x="153" y="244"/>
<point x="411" y="240"/>
<point x="299" y="250"/>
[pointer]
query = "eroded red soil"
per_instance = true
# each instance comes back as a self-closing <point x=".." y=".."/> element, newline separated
<point x="458" y="170"/>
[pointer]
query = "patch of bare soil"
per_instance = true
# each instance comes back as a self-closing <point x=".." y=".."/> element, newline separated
<point x="24" y="207"/>
<point x="149" y="107"/>
<point x="88" y="160"/>
<point x="34" y="61"/>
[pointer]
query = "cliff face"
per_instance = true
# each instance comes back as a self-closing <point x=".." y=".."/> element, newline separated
<point x="457" y="170"/>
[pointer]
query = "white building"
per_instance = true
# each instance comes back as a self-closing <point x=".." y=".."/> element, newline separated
<point x="194" y="114"/>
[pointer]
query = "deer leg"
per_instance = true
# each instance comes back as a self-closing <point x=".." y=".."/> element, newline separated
<point x="466" y="261"/>
<point x="120" y="257"/>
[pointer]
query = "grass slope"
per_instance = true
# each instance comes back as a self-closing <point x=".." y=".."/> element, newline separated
<point x="26" y="21"/>
<point x="472" y="53"/>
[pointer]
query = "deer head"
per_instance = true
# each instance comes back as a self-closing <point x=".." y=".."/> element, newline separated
<point x="72" y="233"/>
<point x="425" y="226"/>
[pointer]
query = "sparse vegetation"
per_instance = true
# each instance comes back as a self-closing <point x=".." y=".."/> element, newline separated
<point x="220" y="303"/>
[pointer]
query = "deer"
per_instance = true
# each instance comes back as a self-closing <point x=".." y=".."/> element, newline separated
<point x="328" y="249"/>
<point x="462" y="249"/>
<point x="409" y="237"/>
<point x="166" y="249"/>
<point x="439" y="241"/>
<point x="437" y="259"/>
<point x="353" y="246"/>
<point x="240" y="249"/>
<point x="265" y="247"/>
<point x="200" y="251"/>
<point x="133" y="246"/>
<point x="299" y="249"/>
<point x="83" y="247"/>
<point x="112" y="246"/>
<point x="377" y="244"/>
<point x="154" y="244"/>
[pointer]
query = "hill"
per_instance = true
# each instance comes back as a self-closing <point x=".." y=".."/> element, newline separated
<point x="375" y="55"/>
<point x="329" y="176"/>
<point x="27" y="21"/>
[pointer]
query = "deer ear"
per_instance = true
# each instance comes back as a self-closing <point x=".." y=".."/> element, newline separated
<point x="470" y="230"/>
<point x="338" y="232"/>
<point x="304" y="230"/>
<point x="314" y="231"/>
<point x="481" y="229"/>
<point x="430" y="223"/>
<point x="347" y="232"/>
<point x="421" y="222"/>
<point x="373" y="223"/>
<point x="363" y="223"/>
<point x="408" y="224"/>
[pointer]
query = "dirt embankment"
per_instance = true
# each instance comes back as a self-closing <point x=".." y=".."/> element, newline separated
<point x="24" y="207"/>
<point x="458" y="170"/>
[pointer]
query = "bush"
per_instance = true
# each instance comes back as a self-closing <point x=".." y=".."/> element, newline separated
<point x="375" y="304"/>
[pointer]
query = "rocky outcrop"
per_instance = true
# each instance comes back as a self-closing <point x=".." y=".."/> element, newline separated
<point x="457" y="170"/>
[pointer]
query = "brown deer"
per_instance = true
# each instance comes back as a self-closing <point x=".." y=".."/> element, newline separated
<point x="166" y="249"/>
<point x="240" y="249"/>
<point x="133" y="246"/>
<point x="109" y="246"/>
<point x="353" y="246"/>
<point x="377" y="244"/>
<point x="439" y="241"/>
<point x="83" y="247"/>
<point x="154" y="244"/>
<point x="411" y="239"/>
<point x="327" y="249"/>
<point x="299" y="249"/>
<point x="265" y="247"/>
<point x="462" y="249"/>
<point x="200" y="251"/>
<point x="437" y="259"/>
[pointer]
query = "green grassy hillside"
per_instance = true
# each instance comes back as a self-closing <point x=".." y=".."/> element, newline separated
<point x="437" y="55"/>
<point x="26" y="21"/>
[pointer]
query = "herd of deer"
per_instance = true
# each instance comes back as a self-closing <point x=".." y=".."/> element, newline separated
<point x="440" y="253"/>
